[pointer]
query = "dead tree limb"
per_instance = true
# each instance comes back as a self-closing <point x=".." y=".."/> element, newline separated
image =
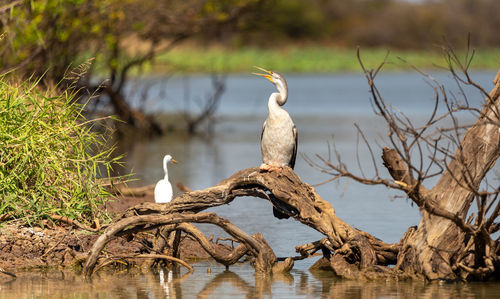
<point x="162" y="256"/>
<point x="344" y="245"/>
<point x="265" y="258"/>
<point x="305" y="204"/>
<point x="208" y="107"/>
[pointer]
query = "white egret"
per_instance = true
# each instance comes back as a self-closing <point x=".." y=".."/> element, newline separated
<point x="163" y="189"/>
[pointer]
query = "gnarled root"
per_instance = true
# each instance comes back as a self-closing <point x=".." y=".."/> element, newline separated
<point x="341" y="243"/>
<point x="255" y="245"/>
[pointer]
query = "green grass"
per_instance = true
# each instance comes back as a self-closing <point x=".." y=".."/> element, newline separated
<point x="305" y="59"/>
<point x="50" y="158"/>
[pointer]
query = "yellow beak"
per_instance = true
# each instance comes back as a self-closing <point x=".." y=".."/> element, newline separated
<point x="174" y="161"/>
<point x="268" y="75"/>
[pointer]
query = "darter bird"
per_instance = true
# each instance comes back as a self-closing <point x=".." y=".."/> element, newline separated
<point x="163" y="189"/>
<point x="279" y="134"/>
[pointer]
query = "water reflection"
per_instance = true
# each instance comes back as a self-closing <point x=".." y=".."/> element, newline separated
<point x="238" y="282"/>
<point x="234" y="281"/>
<point x="167" y="284"/>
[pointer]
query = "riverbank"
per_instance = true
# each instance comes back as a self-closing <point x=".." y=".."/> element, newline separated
<point x="307" y="59"/>
<point x="61" y="246"/>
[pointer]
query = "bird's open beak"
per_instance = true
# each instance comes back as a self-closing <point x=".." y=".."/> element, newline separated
<point x="268" y="75"/>
<point x="174" y="161"/>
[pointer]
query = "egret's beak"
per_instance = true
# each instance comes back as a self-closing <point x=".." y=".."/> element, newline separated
<point x="174" y="161"/>
<point x="268" y="75"/>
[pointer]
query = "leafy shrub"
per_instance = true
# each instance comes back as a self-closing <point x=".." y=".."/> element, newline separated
<point x="51" y="159"/>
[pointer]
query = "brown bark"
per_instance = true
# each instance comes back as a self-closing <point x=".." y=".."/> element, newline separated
<point x="351" y="253"/>
<point x="357" y="247"/>
<point x="432" y="248"/>
<point x="266" y="261"/>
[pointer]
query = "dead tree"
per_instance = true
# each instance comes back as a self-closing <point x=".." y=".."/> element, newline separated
<point x="168" y="24"/>
<point x="208" y="107"/>
<point x="450" y="242"/>
<point x="114" y="87"/>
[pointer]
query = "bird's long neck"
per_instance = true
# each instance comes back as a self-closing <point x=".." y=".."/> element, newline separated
<point x="165" y="161"/>
<point x="283" y="94"/>
<point x="275" y="101"/>
<point x="273" y="104"/>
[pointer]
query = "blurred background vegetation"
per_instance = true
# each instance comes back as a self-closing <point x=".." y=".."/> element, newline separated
<point x="120" y="39"/>
<point x="45" y="37"/>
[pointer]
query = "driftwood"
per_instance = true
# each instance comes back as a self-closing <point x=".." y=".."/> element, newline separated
<point x="265" y="259"/>
<point x="348" y="249"/>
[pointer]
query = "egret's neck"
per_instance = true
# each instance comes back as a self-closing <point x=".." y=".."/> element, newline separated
<point x="165" y="168"/>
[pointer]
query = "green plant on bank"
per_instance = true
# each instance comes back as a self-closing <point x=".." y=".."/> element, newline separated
<point x="51" y="159"/>
<point x="307" y="59"/>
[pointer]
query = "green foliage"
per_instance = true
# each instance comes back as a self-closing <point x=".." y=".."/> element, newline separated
<point x="307" y="59"/>
<point x="50" y="158"/>
<point x="46" y="36"/>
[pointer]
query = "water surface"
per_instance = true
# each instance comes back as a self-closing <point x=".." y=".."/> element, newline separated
<point x="237" y="282"/>
<point x="323" y="107"/>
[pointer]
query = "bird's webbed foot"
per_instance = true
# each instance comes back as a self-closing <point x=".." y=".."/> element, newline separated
<point x="268" y="168"/>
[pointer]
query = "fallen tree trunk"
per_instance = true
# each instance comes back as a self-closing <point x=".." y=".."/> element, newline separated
<point x="349" y="250"/>
<point x="284" y="188"/>
<point x="351" y="253"/>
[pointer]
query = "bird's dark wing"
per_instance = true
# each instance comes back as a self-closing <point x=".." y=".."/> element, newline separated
<point x="261" y="135"/>
<point x="279" y="215"/>
<point x="263" y="128"/>
<point x="282" y="210"/>
<point x="294" y="153"/>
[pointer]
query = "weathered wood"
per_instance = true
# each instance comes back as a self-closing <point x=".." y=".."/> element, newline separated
<point x="142" y="220"/>
<point x="437" y="239"/>
<point x="430" y="248"/>
<point x="287" y="188"/>
<point x="436" y="249"/>
<point x="266" y="261"/>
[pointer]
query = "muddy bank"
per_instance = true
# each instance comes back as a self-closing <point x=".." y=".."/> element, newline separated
<point x="23" y="247"/>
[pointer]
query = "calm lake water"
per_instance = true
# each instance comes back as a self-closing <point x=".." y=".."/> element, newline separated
<point x="239" y="282"/>
<point x="323" y="107"/>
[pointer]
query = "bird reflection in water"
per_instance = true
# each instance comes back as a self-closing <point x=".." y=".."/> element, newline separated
<point x="171" y="282"/>
<point x="166" y="283"/>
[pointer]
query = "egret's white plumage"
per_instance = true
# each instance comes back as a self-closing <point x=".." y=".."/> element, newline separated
<point x="279" y="134"/>
<point x="163" y="189"/>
